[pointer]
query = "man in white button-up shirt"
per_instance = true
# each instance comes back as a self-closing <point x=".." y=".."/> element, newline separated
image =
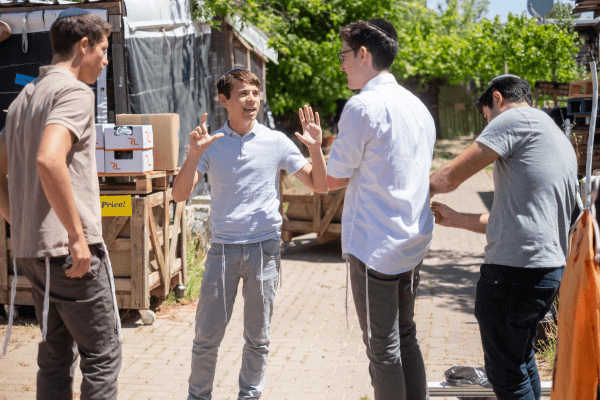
<point x="383" y="156"/>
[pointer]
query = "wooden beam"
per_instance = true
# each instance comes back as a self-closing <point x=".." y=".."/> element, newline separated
<point x="113" y="230"/>
<point x="307" y="227"/>
<point x="140" y="298"/>
<point x="157" y="249"/>
<point x="166" y="235"/>
<point x="335" y="204"/>
<point x="183" y="245"/>
<point x="113" y="7"/>
<point x="316" y="211"/>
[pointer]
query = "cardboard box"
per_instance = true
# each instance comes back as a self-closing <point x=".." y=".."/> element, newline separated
<point x="166" y="136"/>
<point x="100" y="134"/>
<point x="129" y="137"/>
<point x="100" y="161"/>
<point x="128" y="162"/>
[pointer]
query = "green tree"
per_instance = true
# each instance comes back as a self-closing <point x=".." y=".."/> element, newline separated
<point x="453" y="44"/>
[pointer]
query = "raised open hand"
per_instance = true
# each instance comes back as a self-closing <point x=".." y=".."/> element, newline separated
<point x="200" y="139"/>
<point x="311" y="128"/>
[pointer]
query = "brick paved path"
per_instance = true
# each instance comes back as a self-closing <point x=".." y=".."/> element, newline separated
<point x="313" y="354"/>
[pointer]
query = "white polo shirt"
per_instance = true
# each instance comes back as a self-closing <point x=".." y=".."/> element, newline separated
<point x="385" y="145"/>
<point x="243" y="172"/>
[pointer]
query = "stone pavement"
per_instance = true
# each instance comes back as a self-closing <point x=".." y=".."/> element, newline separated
<point x="313" y="353"/>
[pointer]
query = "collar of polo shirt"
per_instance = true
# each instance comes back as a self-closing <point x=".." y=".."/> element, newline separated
<point x="231" y="133"/>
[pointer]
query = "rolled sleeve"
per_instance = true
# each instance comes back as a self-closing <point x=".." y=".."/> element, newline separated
<point x="347" y="152"/>
<point x="291" y="158"/>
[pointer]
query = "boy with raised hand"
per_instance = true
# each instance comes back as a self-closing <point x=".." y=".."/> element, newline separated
<point x="47" y="149"/>
<point x="242" y="160"/>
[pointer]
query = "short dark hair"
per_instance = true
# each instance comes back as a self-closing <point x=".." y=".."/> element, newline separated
<point x="66" y="32"/>
<point x="512" y="88"/>
<point x="226" y="82"/>
<point x="378" y="36"/>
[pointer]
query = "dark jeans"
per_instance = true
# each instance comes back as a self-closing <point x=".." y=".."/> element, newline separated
<point x="395" y="361"/>
<point x="510" y="302"/>
<point x="81" y="321"/>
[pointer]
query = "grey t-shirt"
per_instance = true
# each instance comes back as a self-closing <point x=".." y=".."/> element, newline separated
<point x="535" y="190"/>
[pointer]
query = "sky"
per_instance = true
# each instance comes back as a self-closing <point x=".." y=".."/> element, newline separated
<point x="503" y="7"/>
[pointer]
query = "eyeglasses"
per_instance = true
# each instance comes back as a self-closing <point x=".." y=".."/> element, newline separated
<point x="340" y="57"/>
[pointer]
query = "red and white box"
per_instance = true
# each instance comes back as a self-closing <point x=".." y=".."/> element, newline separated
<point x="100" y="134"/>
<point x="100" y="166"/>
<point x="128" y="162"/>
<point x="129" y="137"/>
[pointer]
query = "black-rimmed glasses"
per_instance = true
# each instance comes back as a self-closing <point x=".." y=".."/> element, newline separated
<point x="341" y="57"/>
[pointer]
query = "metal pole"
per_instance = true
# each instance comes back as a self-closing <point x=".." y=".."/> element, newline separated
<point x="590" y="146"/>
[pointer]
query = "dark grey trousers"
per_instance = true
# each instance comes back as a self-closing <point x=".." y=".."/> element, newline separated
<point x="395" y="361"/>
<point x="81" y="321"/>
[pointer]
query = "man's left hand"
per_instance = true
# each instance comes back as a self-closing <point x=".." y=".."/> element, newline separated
<point x="312" y="135"/>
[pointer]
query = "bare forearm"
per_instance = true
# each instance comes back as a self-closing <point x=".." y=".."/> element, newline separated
<point x="471" y="222"/>
<point x="441" y="181"/>
<point x="319" y="170"/>
<point x="56" y="183"/>
<point x="185" y="181"/>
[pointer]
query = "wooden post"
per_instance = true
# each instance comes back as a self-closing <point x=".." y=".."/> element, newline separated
<point x="119" y="73"/>
<point x="167" y="238"/>
<point x="140" y="294"/>
<point x="316" y="211"/>
<point x="183" y="245"/>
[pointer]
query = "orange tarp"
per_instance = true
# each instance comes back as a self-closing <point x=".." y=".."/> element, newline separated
<point x="577" y="363"/>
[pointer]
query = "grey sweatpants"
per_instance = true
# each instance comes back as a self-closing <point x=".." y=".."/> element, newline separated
<point x="81" y="321"/>
<point x="396" y="364"/>
<point x="223" y="271"/>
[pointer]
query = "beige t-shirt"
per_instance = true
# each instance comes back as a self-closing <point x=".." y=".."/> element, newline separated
<point x="55" y="97"/>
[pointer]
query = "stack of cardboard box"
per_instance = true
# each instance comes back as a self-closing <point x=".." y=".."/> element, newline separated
<point x="128" y="149"/>
<point x="100" y="146"/>
<point x="139" y="143"/>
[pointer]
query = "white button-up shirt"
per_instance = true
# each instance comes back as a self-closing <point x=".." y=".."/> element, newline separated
<point x="385" y="145"/>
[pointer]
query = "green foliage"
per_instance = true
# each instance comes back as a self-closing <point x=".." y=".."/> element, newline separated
<point x="195" y="265"/>
<point x="454" y="44"/>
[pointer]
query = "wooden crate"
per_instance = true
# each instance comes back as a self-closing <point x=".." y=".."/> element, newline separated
<point x="138" y="184"/>
<point x="579" y="140"/>
<point x="311" y="212"/>
<point x="145" y="261"/>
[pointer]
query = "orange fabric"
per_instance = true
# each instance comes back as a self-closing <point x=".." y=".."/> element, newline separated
<point x="577" y="363"/>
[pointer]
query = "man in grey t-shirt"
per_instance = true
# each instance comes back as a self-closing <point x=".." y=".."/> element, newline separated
<point x="535" y="178"/>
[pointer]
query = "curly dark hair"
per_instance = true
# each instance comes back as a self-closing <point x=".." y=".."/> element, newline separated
<point x="512" y="88"/>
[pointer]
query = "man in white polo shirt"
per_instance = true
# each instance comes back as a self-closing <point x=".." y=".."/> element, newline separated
<point x="383" y="156"/>
<point x="243" y="160"/>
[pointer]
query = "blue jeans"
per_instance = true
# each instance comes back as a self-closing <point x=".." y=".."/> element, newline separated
<point x="510" y="302"/>
<point x="217" y="296"/>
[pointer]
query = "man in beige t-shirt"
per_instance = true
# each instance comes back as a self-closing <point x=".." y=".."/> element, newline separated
<point x="47" y="149"/>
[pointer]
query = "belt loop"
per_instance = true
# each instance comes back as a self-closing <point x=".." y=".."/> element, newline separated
<point x="46" y="301"/>
<point x="223" y="278"/>
<point x="11" y="313"/>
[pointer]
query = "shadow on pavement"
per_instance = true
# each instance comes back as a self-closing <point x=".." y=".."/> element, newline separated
<point x="452" y="275"/>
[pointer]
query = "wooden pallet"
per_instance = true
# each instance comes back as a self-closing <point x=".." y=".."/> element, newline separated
<point x="148" y="252"/>
<point x="138" y="183"/>
<point x="311" y="212"/>
<point x="580" y="89"/>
